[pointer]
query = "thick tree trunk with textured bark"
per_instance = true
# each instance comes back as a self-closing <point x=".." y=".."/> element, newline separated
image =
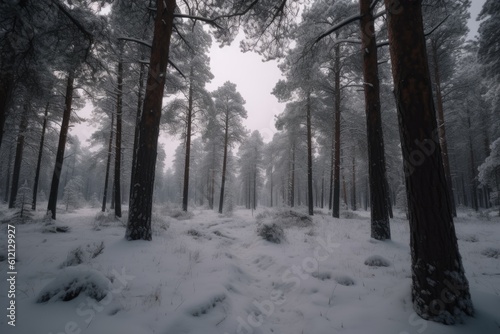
<point x="19" y="155"/>
<point x="108" y="164"/>
<point x="440" y="290"/>
<point x="310" y="202"/>
<point x="63" y="135"/>
<point x="142" y="180"/>
<point x="442" y="130"/>
<point x="137" y="121"/>
<point x="336" y="169"/>
<point x="39" y="160"/>
<point x="380" y="228"/>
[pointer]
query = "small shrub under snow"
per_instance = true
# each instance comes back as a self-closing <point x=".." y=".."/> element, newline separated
<point x="491" y="252"/>
<point x="286" y="218"/>
<point x="73" y="281"/>
<point x="377" y="261"/>
<point x="81" y="255"/>
<point x="344" y="280"/>
<point x="271" y="232"/>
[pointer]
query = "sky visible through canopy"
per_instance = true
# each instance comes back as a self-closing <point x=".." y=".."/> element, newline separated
<point x="255" y="81"/>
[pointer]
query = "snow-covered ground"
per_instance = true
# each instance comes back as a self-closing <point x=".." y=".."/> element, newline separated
<point x="215" y="274"/>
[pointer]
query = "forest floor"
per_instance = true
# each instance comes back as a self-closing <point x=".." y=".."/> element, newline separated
<point x="209" y="273"/>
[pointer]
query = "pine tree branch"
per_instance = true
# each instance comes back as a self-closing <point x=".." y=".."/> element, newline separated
<point x="336" y="27"/>
<point x="139" y="41"/>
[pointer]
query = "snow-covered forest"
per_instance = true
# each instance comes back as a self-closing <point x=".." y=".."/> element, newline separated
<point x="374" y="207"/>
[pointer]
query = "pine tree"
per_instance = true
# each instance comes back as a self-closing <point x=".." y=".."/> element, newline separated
<point x="230" y="105"/>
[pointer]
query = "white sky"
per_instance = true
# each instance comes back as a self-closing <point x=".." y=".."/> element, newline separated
<point x="255" y="80"/>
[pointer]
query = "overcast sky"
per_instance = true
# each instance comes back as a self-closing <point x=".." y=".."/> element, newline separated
<point x="255" y="80"/>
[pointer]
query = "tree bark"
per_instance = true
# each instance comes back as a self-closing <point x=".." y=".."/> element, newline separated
<point x="380" y="228"/>
<point x="442" y="130"/>
<point x="108" y="164"/>
<point x="472" y="164"/>
<point x="137" y="121"/>
<point x="142" y="180"/>
<point x="353" y="195"/>
<point x="54" y="187"/>
<point x="118" y="138"/>
<point x="185" y="191"/>
<point x="255" y="187"/>
<point x="336" y="169"/>
<point x="6" y="82"/>
<point x="271" y="185"/>
<point x="310" y="202"/>
<point x="19" y="155"/>
<point x="224" y="162"/>
<point x="332" y="166"/>
<point x="39" y="160"/>
<point x="7" y="178"/>
<point x="291" y="199"/>
<point x="440" y="290"/>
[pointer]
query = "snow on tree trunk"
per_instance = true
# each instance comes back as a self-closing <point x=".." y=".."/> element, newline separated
<point x="336" y="169"/>
<point x="440" y="290"/>
<point x="142" y="180"/>
<point x="118" y="137"/>
<point x="54" y="188"/>
<point x="19" y="155"/>
<point x="108" y="164"/>
<point x="380" y="228"/>
<point x="39" y="160"/>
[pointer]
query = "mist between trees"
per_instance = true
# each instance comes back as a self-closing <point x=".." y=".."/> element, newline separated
<point x="387" y="105"/>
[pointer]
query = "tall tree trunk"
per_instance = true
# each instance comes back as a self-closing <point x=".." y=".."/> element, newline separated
<point x="442" y="130"/>
<point x="118" y="138"/>
<point x="440" y="290"/>
<point x="255" y="187"/>
<point x="212" y="180"/>
<point x="291" y="199"/>
<point x="353" y="195"/>
<point x="472" y="164"/>
<point x="7" y="178"/>
<point x="466" y="202"/>
<point x="6" y="81"/>
<point x="310" y="202"/>
<point x="142" y="180"/>
<point x="344" y="190"/>
<point x="112" y="203"/>
<point x="39" y="160"/>
<point x="323" y="191"/>
<point x="54" y="187"/>
<point x="185" y="191"/>
<point x="332" y="166"/>
<point x="224" y="162"/>
<point x="19" y="155"/>
<point x="271" y="186"/>
<point x="380" y="228"/>
<point x="108" y="164"/>
<point x="137" y="121"/>
<point x="336" y="170"/>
